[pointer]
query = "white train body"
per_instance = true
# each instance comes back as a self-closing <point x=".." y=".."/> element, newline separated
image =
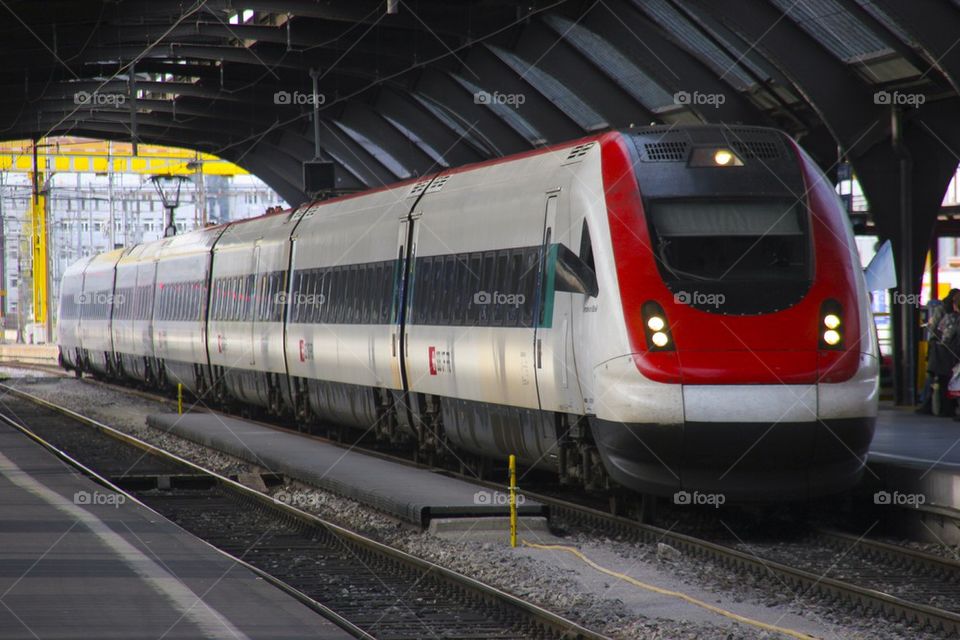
<point x="560" y="305"/>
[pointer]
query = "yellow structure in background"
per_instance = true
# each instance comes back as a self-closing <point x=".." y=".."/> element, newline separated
<point x="81" y="155"/>
<point x="48" y="156"/>
<point x="37" y="216"/>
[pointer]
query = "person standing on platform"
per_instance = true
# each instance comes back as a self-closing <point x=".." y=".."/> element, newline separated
<point x="935" y="312"/>
<point x="944" y="354"/>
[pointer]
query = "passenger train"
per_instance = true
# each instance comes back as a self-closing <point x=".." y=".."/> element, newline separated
<point x="660" y="309"/>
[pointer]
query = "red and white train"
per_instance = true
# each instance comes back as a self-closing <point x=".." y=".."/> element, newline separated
<point x="662" y="309"/>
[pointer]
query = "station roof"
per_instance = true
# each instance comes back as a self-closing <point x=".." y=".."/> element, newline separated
<point x="411" y="87"/>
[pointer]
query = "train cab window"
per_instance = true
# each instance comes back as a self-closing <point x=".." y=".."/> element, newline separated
<point x="731" y="247"/>
<point x="753" y="240"/>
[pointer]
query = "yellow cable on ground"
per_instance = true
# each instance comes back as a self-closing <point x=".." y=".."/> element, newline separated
<point x="667" y="592"/>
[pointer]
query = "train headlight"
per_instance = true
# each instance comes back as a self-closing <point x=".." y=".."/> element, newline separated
<point x="831" y="325"/>
<point x="714" y="157"/>
<point x="656" y="327"/>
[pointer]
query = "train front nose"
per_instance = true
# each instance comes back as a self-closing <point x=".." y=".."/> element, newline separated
<point x="749" y="442"/>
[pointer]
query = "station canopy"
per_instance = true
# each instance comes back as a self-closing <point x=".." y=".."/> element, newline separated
<point x="407" y="88"/>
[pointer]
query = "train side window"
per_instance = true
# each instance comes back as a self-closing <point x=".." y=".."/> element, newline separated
<point x="514" y="273"/>
<point x="346" y="296"/>
<point x="336" y="302"/>
<point x="254" y="296"/>
<point x="308" y="279"/>
<point x="500" y="286"/>
<point x="321" y="279"/>
<point x="436" y="282"/>
<point x="373" y="293"/>
<point x="438" y="301"/>
<point x="386" y="283"/>
<point x="457" y="295"/>
<point x="420" y="283"/>
<point x="354" y="293"/>
<point x="487" y="287"/>
<point x="328" y="311"/>
<point x="472" y="285"/>
<point x="374" y="271"/>
<point x="449" y="298"/>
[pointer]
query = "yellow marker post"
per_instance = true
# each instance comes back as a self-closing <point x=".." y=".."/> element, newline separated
<point x="513" y="500"/>
<point x="180" y="398"/>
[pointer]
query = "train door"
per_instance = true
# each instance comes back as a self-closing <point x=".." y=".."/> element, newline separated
<point x="402" y="300"/>
<point x="254" y="293"/>
<point x="557" y="384"/>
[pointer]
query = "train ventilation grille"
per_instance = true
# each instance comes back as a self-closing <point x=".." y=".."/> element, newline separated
<point x="670" y="151"/>
<point x="757" y="149"/>
<point x="579" y="151"/>
<point x="418" y="188"/>
<point x="437" y="184"/>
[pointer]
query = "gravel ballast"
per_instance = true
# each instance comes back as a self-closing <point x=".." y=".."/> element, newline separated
<point x="553" y="579"/>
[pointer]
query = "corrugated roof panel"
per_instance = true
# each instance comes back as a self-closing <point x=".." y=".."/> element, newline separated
<point x="504" y="110"/>
<point x="613" y="63"/>
<point x="461" y="131"/>
<point x="417" y="140"/>
<point x="887" y="21"/>
<point x="554" y="90"/>
<point x="691" y="38"/>
<point x="835" y="28"/>
<point x="378" y="152"/>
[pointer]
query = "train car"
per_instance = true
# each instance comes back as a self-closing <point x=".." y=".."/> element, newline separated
<point x="183" y="265"/>
<point x="68" y="316"/>
<point x="133" y="316"/>
<point x="342" y="346"/>
<point x="96" y="304"/>
<point x="247" y="309"/>
<point x="660" y="309"/>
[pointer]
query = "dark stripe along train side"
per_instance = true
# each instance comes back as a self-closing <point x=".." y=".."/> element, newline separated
<point x="661" y="309"/>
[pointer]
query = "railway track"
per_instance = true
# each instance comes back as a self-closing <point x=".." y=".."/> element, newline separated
<point x="901" y="584"/>
<point x="370" y="589"/>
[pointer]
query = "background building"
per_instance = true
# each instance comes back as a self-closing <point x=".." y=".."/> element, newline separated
<point x="98" y="197"/>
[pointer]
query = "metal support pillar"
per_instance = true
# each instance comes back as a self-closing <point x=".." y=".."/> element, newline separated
<point x="904" y="313"/>
<point x="935" y="265"/>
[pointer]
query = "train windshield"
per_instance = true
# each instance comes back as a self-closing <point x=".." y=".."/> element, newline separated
<point x="754" y="255"/>
<point x="731" y="241"/>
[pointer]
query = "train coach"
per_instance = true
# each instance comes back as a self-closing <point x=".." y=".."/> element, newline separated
<point x="659" y="309"/>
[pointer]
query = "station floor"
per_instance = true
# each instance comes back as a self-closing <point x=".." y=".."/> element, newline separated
<point x="76" y="563"/>
<point x="411" y="494"/>
<point x="906" y="438"/>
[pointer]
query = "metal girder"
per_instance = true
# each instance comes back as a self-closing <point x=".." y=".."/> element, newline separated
<point x="410" y="114"/>
<point x="838" y="96"/>
<point x="935" y="26"/>
<point x="460" y="103"/>
<point x="498" y="79"/>
<point x="672" y="67"/>
<point x="373" y="126"/>
<point x="549" y="51"/>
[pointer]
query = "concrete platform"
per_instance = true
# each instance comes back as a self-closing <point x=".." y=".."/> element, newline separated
<point x="78" y="562"/>
<point x="411" y="494"/>
<point x="914" y="466"/>
<point x="916" y="440"/>
<point x="29" y="353"/>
